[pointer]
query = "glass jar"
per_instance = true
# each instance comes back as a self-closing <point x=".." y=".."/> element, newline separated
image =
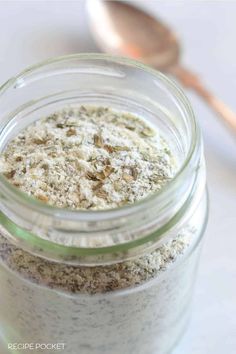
<point x="42" y="301"/>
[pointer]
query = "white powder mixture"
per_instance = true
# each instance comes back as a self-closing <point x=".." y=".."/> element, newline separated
<point x="88" y="158"/>
<point x="94" y="158"/>
<point x="94" y="280"/>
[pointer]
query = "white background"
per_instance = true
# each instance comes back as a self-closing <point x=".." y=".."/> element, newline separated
<point x="31" y="31"/>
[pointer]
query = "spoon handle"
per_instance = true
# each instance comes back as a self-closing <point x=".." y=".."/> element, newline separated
<point x="190" y="80"/>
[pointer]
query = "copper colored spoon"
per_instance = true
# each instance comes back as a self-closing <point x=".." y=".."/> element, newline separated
<point x="122" y="29"/>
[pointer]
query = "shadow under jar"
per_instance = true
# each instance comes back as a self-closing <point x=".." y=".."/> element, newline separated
<point x="145" y="253"/>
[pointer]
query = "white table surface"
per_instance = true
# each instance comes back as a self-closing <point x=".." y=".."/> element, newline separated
<point x="31" y="31"/>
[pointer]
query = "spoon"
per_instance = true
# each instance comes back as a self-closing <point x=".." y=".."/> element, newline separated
<point x="122" y="29"/>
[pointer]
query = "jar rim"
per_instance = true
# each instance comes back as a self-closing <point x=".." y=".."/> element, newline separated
<point x="136" y="205"/>
<point x="7" y="189"/>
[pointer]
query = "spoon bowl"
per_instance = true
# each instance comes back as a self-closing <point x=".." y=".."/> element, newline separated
<point x="122" y="29"/>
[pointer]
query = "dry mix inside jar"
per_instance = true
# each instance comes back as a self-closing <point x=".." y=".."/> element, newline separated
<point x="103" y="206"/>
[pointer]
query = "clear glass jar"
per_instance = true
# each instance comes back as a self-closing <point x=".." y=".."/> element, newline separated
<point x="145" y="318"/>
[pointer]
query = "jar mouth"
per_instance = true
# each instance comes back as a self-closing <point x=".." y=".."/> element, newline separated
<point x="158" y="198"/>
<point x="136" y="205"/>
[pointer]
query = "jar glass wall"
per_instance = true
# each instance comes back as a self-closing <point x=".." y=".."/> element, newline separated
<point x="130" y="293"/>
